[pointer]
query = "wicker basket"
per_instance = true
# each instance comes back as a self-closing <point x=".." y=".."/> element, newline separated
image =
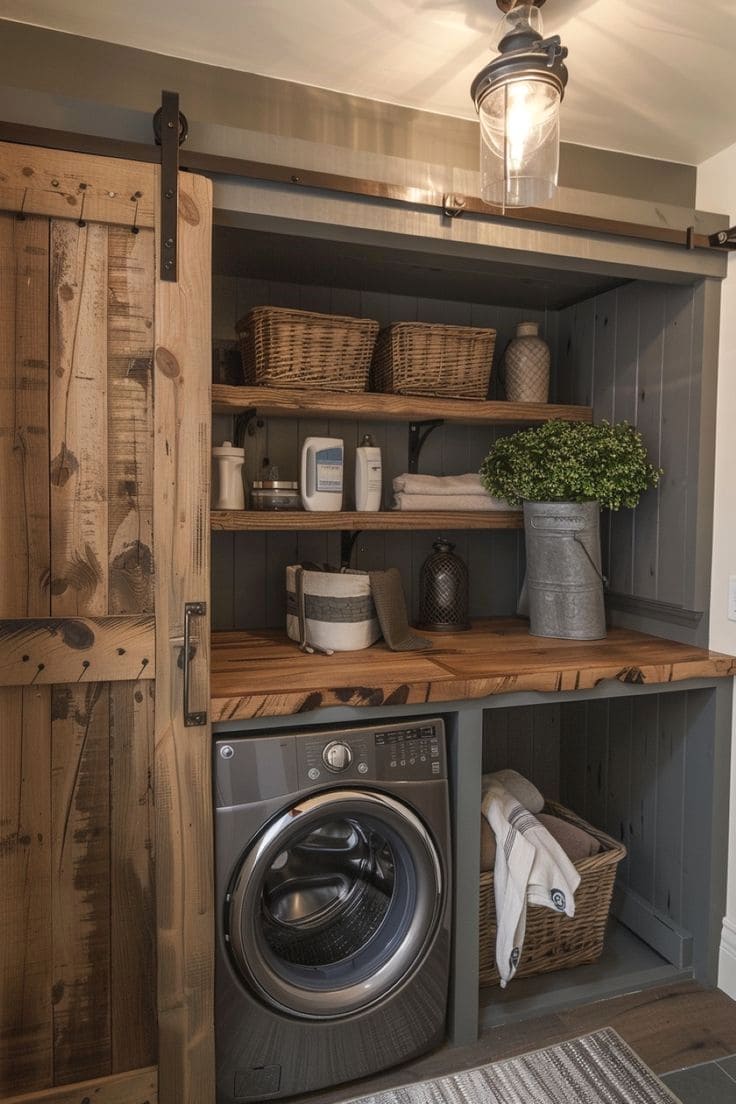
<point x="292" y="348"/>
<point x="553" y="941"/>
<point x="420" y="358"/>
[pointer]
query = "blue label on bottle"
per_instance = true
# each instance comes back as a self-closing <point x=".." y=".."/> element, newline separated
<point x="329" y="469"/>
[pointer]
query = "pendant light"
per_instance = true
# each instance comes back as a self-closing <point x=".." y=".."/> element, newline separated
<point x="517" y="97"/>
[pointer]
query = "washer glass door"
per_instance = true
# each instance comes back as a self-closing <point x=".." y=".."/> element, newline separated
<point x="336" y="903"/>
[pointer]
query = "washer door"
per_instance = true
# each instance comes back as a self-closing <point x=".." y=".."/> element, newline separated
<point x="336" y="903"/>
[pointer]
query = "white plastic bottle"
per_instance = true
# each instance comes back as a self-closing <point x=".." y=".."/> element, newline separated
<point x="321" y="473"/>
<point x="368" y="475"/>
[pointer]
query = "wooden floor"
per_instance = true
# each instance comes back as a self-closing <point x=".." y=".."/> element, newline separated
<point x="670" y="1027"/>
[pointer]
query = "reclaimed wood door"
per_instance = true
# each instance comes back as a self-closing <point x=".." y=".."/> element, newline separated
<point x="106" y="924"/>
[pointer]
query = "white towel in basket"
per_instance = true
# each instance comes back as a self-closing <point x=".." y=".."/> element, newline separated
<point x="531" y="869"/>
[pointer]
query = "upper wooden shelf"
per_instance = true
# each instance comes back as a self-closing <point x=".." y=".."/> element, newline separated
<point x="272" y="401"/>
<point x="262" y="674"/>
<point x="254" y="521"/>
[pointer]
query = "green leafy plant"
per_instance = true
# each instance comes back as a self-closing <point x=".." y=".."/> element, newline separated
<point x="570" y="462"/>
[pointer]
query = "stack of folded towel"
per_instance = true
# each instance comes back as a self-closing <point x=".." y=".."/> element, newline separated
<point x="532" y="856"/>
<point x="443" y="492"/>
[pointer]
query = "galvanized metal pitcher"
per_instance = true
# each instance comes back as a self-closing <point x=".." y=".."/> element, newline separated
<point x="564" y="580"/>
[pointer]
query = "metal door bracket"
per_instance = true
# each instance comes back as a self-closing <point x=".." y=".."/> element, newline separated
<point x="724" y="239"/>
<point x="170" y="129"/>
<point x="453" y="205"/>
<point x="418" y="434"/>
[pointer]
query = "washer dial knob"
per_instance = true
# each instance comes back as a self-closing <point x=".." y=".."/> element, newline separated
<point x="337" y="756"/>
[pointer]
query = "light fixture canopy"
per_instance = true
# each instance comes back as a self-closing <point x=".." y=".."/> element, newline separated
<point x="517" y="97"/>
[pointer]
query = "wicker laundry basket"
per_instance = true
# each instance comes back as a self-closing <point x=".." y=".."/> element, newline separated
<point x="421" y="358"/>
<point x="553" y="941"/>
<point x="292" y="348"/>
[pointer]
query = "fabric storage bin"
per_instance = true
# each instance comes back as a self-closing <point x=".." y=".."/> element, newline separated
<point x="329" y="609"/>
<point x="280" y="347"/>
<point x="554" y="941"/>
<point x="422" y="358"/>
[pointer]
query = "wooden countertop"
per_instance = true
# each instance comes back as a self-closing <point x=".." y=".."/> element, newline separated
<point x="263" y="674"/>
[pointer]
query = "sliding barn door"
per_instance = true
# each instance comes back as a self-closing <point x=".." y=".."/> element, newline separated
<point x="105" y="853"/>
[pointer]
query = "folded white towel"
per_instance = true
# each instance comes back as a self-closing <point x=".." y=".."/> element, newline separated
<point x="530" y="868"/>
<point x="439" y="484"/>
<point x="448" y="502"/>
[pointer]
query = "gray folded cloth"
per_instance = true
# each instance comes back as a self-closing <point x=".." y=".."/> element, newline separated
<point x="525" y="792"/>
<point x="388" y="597"/>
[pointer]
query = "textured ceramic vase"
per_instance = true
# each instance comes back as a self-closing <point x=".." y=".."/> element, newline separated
<point x="526" y="365"/>
<point x="443" y="590"/>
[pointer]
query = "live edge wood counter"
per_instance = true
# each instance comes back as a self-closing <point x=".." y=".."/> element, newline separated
<point x="263" y="674"/>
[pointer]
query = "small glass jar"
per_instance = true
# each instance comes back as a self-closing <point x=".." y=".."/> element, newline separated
<point x="275" y="494"/>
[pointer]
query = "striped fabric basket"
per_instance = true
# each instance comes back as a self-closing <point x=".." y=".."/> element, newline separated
<point x="330" y="610"/>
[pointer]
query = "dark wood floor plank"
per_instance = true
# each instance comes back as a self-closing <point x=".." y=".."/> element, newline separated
<point x="670" y="1027"/>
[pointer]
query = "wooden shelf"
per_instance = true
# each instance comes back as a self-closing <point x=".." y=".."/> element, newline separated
<point x="272" y="401"/>
<point x="258" y="521"/>
<point x="261" y="674"/>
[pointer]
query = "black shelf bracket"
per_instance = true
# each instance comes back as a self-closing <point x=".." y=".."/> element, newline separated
<point x="418" y="434"/>
<point x="170" y="129"/>
<point x="244" y="425"/>
<point x="348" y="537"/>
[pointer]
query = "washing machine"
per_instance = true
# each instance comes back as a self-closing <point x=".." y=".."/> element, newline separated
<point x="333" y="892"/>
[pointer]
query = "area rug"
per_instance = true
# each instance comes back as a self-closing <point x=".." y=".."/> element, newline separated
<point x="595" y="1069"/>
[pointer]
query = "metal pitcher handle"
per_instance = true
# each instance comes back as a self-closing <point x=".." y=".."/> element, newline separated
<point x="191" y="609"/>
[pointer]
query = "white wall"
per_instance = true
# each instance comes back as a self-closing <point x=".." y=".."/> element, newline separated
<point x="717" y="192"/>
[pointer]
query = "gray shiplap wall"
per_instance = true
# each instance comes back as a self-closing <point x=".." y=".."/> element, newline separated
<point x="636" y="354"/>
<point x="248" y="568"/>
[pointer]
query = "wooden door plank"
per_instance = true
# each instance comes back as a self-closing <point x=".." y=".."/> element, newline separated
<point x="135" y="1087"/>
<point x="25" y="844"/>
<point x="80" y="807"/>
<point x="25" y="866"/>
<point x="81" y="871"/>
<point x="78" y="404"/>
<point x="46" y="650"/>
<point x="54" y="182"/>
<point x="130" y="511"/>
<point x="184" y="873"/>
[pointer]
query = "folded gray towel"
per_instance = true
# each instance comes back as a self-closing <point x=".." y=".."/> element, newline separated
<point x="388" y="597"/>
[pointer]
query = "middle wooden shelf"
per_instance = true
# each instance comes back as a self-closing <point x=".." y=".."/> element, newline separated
<point x="346" y="520"/>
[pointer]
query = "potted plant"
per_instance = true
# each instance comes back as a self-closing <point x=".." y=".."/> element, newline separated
<point x="563" y="473"/>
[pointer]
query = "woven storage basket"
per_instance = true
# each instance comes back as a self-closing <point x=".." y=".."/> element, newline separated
<point x="292" y="348"/>
<point x="553" y="941"/>
<point x="421" y="358"/>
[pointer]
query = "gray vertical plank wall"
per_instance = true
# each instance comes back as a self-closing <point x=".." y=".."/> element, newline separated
<point x="636" y="353"/>
<point x="248" y="568"/>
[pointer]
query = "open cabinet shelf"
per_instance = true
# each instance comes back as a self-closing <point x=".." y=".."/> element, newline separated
<point x="258" y="521"/>
<point x="272" y="401"/>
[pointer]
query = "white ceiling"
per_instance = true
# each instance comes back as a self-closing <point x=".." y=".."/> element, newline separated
<point x="654" y="77"/>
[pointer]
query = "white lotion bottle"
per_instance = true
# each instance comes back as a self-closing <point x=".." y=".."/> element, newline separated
<point x="230" y="488"/>
<point x="368" y="476"/>
<point x="322" y="473"/>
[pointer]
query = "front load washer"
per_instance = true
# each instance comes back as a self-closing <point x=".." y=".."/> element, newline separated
<point x="333" y="893"/>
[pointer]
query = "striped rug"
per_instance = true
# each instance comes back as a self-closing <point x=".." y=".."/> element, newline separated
<point x="595" y="1069"/>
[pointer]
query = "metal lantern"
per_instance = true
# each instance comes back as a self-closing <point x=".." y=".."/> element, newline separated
<point x="443" y="590"/>
<point x="517" y="97"/>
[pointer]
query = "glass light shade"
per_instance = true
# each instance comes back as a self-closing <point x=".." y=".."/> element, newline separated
<point x="520" y="143"/>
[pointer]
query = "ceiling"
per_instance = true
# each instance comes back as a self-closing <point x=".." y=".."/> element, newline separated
<point x="652" y="77"/>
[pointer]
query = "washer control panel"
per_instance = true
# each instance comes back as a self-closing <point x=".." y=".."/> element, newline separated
<point x="406" y="751"/>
